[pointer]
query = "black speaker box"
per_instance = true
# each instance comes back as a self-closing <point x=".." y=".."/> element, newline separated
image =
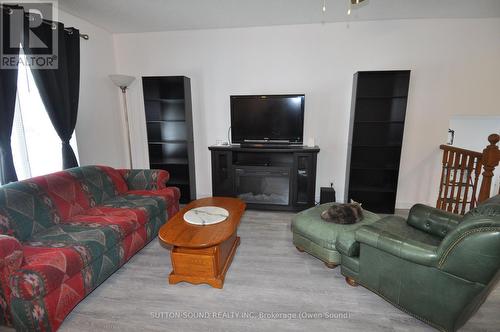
<point x="327" y="195"/>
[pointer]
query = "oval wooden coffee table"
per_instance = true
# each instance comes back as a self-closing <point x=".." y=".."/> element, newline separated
<point x="202" y="254"/>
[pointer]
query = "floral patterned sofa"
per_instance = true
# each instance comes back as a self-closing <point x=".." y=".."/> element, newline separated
<point x="63" y="234"/>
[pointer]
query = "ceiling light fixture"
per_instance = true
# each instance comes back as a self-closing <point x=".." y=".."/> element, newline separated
<point x="324" y="6"/>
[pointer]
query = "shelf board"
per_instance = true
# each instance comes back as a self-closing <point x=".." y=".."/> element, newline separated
<point x="381" y="97"/>
<point x="164" y="121"/>
<point x="372" y="189"/>
<point x="375" y="168"/>
<point x="381" y="122"/>
<point x="165" y="100"/>
<point x="168" y="141"/>
<point x="274" y="164"/>
<point x="176" y="181"/>
<point x="170" y="161"/>
<point x="376" y="146"/>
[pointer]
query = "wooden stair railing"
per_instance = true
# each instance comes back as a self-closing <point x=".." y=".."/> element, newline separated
<point x="460" y="175"/>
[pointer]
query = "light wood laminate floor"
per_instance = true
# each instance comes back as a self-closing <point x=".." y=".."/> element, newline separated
<point x="267" y="275"/>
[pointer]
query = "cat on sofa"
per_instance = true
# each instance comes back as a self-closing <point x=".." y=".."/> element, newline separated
<point x="346" y="214"/>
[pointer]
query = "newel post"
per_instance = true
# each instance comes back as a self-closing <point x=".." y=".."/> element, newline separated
<point x="491" y="157"/>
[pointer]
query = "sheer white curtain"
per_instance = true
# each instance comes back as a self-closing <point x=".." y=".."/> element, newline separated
<point x="36" y="148"/>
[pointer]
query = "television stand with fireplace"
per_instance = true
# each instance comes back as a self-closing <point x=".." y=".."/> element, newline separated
<point x="278" y="178"/>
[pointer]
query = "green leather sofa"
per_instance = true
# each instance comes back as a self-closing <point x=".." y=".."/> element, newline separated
<point x="437" y="266"/>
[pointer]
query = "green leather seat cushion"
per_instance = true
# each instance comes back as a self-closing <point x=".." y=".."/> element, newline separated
<point x="393" y="235"/>
<point x="329" y="235"/>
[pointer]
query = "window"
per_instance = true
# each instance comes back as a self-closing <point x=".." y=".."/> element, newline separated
<point x="36" y="147"/>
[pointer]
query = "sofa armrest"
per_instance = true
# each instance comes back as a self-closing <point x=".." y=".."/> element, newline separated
<point x="346" y="244"/>
<point x="404" y="248"/>
<point x="11" y="254"/>
<point x="145" y="179"/>
<point x="11" y="259"/>
<point x="433" y="221"/>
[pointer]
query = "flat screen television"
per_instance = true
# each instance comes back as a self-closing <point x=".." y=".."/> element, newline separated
<point x="267" y="119"/>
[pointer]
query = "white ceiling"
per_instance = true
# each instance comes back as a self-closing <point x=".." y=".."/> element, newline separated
<point x="123" y="16"/>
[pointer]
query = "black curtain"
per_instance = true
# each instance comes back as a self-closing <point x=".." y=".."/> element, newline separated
<point x="8" y="90"/>
<point x="60" y="87"/>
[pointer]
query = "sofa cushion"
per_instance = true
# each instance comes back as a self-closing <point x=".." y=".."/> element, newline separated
<point x="96" y="182"/>
<point x="145" y="179"/>
<point x="171" y="194"/>
<point x="124" y="221"/>
<point x="25" y="209"/>
<point x="152" y="205"/>
<point x="433" y="221"/>
<point x="393" y="235"/>
<point x="65" y="191"/>
<point x="116" y="176"/>
<point x="45" y="269"/>
<point x="96" y="238"/>
<point x="61" y="252"/>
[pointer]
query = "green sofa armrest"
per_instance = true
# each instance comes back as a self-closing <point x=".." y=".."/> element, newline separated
<point x="347" y="245"/>
<point x="472" y="250"/>
<point x="398" y="245"/>
<point x="433" y="221"/>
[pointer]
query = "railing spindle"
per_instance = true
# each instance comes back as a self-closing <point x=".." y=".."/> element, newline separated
<point x="439" y="203"/>
<point x="468" y="181"/>
<point x="477" y="172"/>
<point x="458" y="201"/>
<point x="449" y="164"/>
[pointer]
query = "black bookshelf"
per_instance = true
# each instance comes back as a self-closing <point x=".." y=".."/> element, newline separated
<point x="375" y="139"/>
<point x="169" y="123"/>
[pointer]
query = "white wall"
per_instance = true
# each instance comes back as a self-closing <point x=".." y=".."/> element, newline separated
<point x="455" y="67"/>
<point x="471" y="132"/>
<point x="99" y="127"/>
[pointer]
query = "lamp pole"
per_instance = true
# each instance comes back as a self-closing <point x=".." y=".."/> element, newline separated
<point x="125" y="110"/>
<point x="123" y="82"/>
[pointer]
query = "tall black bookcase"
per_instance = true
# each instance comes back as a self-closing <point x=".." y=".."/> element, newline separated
<point x="169" y="122"/>
<point x="375" y="138"/>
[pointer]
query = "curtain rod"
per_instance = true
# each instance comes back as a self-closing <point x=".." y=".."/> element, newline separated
<point x="10" y="11"/>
